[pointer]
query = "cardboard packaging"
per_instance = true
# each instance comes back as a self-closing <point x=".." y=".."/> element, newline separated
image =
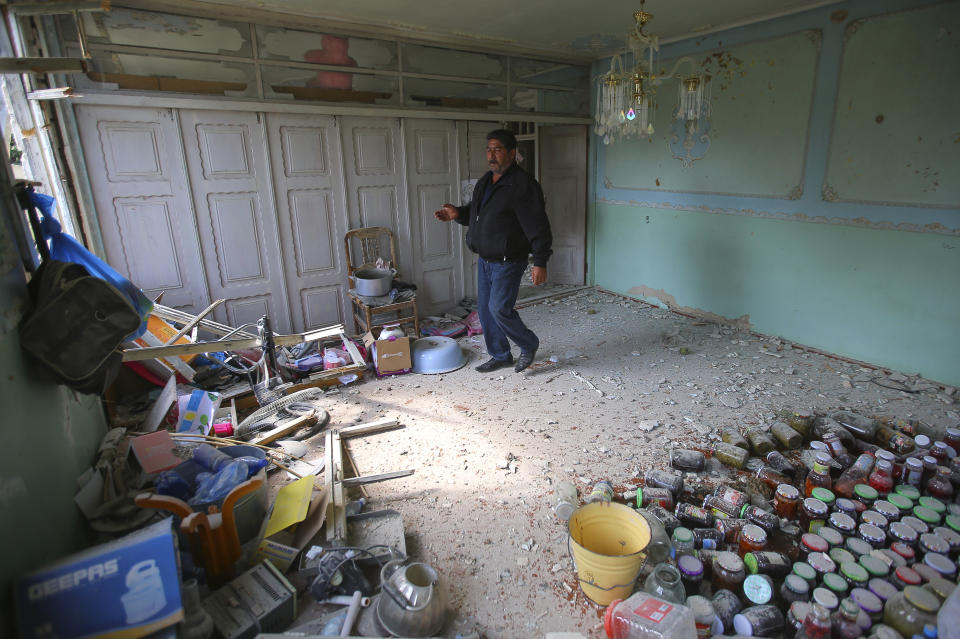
<point x="298" y="514"/>
<point x="389" y="356"/>
<point x="129" y="587"/>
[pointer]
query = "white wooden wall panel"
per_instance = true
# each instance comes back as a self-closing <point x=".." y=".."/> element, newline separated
<point x="563" y="167"/>
<point x="232" y="184"/>
<point x="141" y="192"/>
<point x="307" y="169"/>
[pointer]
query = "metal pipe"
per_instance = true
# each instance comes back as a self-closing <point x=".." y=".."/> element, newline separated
<point x="345" y="600"/>
<point x="352" y="613"/>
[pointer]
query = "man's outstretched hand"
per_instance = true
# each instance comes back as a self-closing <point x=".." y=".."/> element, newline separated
<point x="447" y="213"/>
<point x="539" y="275"/>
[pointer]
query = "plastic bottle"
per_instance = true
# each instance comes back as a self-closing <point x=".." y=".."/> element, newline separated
<point x="643" y="616"/>
<point x="565" y="500"/>
<point x="210" y="458"/>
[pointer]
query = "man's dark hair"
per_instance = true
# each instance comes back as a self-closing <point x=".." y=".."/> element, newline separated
<point x="506" y="137"/>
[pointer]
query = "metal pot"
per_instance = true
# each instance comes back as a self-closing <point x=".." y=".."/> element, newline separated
<point x="372" y="282"/>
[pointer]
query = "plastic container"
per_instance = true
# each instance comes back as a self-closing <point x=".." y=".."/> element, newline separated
<point x="644" y="616"/>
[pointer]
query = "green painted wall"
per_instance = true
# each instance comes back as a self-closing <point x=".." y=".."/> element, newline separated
<point x="816" y="229"/>
<point x="50" y="436"/>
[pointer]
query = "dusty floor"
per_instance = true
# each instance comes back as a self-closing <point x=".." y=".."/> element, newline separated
<point x="618" y="394"/>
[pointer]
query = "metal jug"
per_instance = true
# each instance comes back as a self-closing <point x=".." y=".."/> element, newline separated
<point x="412" y="603"/>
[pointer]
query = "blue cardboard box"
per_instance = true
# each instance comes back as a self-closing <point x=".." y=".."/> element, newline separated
<point x="129" y="587"/>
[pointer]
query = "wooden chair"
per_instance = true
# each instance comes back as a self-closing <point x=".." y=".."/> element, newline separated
<point x="373" y="243"/>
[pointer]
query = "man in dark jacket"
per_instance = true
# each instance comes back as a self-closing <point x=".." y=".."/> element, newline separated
<point x="506" y="222"/>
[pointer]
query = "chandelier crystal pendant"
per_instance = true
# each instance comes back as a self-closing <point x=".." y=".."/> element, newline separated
<point x="626" y="100"/>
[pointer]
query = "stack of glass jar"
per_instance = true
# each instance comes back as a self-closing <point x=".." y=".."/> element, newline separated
<point x="861" y="536"/>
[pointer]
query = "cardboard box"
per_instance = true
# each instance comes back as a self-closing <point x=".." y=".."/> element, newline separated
<point x="390" y="356"/>
<point x="129" y="587"/>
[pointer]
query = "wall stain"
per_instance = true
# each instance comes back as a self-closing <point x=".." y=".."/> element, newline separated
<point x="933" y="227"/>
<point x="645" y="292"/>
<point x="11" y="489"/>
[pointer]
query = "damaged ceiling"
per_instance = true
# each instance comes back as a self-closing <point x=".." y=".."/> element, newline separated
<point x="562" y="28"/>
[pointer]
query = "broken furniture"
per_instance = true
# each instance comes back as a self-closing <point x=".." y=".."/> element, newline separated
<point x="373" y="242"/>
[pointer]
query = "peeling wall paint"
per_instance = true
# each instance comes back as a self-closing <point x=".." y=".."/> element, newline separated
<point x="664" y="300"/>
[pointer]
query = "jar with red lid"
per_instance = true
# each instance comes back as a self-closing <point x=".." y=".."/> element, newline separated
<point x="812" y="514"/>
<point x="904" y="551"/>
<point x="786" y="500"/>
<point x="904" y="576"/>
<point x="736" y="497"/>
<point x="728" y="571"/>
<point x="940" y="452"/>
<point x="752" y="538"/>
<point x="812" y="542"/>
<point x="763" y="518"/>
<point x="881" y="479"/>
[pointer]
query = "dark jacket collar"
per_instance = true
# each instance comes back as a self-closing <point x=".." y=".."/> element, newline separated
<point x="506" y="178"/>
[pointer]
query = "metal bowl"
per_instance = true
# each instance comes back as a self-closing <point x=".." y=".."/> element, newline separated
<point x="435" y="355"/>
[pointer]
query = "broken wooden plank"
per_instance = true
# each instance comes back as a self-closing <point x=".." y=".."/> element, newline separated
<point x="373" y="479"/>
<point x="352" y="464"/>
<point x="289" y="427"/>
<point x="387" y="423"/>
<point x="174" y="315"/>
<point x="58" y="93"/>
<point x="196" y="320"/>
<point x="155" y="352"/>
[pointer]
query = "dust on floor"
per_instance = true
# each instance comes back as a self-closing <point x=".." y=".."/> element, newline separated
<point x="628" y="382"/>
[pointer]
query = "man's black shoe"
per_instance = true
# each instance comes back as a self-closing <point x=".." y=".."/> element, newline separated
<point x="524" y="361"/>
<point x="493" y="364"/>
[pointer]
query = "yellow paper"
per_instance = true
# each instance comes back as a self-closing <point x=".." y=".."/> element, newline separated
<point x="291" y="505"/>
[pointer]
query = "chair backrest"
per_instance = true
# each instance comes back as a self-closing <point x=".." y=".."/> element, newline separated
<point x="372" y="242"/>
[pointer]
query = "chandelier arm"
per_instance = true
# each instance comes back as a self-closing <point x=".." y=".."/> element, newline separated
<point x="678" y="63"/>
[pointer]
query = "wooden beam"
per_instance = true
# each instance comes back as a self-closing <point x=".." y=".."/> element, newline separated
<point x="272" y="435"/>
<point x="42" y="65"/>
<point x="59" y="93"/>
<point x="373" y="479"/>
<point x="372" y="427"/>
<point x="56" y="8"/>
<point x="196" y="320"/>
<point x="155" y="352"/>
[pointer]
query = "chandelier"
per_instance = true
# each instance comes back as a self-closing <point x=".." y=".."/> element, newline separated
<point x="626" y="98"/>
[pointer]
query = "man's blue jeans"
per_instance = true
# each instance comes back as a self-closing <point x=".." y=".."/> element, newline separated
<point x="498" y="284"/>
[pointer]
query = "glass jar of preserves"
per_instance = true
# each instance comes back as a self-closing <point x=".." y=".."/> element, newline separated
<point x="693" y="516"/>
<point x="819" y="475"/>
<point x="874" y="566"/>
<point x="691" y="574"/>
<point x="777" y="461"/>
<point x="951" y="537"/>
<point x="899" y="443"/>
<point x="929" y="468"/>
<point x="788" y="437"/>
<point x="805" y="571"/>
<point x="857" y="546"/>
<point x="902" y="503"/>
<point x="812" y="542"/>
<point x="826" y="598"/>
<point x="687" y="460"/>
<point x="857" y="473"/>
<point x="847" y="507"/>
<point x="720" y="508"/>
<point x="904" y="533"/>
<point x="800" y="420"/>
<point x="872" y="535"/>
<point x="760" y="442"/>
<point x="865" y="494"/>
<point x="869" y="603"/>
<point x="767" y="562"/>
<point x="835" y="584"/>
<point x="832" y="537"/>
<point x="825" y="495"/>
<point x="906" y="490"/>
<point x="855" y="575"/>
<point x="913" y="472"/>
<point x="793" y="589"/>
<point x="730" y="528"/>
<point x="905" y="551"/>
<point x="940" y="485"/>
<point x="763" y="518"/>
<point x="941" y="452"/>
<point x="752" y="538"/>
<point x="730" y="455"/>
<point x="916" y="523"/>
<point x="881" y="479"/>
<point x="942" y="564"/>
<point x="758" y="589"/>
<point x="772" y="477"/>
<point x="952" y="439"/>
<point x="932" y="542"/>
<point x="796" y="615"/>
<point x="707" y="538"/>
<point x="841" y="556"/>
<point x="726" y="604"/>
<point x="733" y="437"/>
<point x="821" y="563"/>
<point x="926" y="572"/>
<point x="908" y="611"/>
<point x="933" y="504"/>
<point x="844" y="621"/>
<point x="904" y="576"/>
<point x="927" y="516"/>
<point x="842" y="523"/>
<point x="664" y="479"/>
<point x="940" y="587"/>
<point x="812" y="514"/>
<point x="728" y="571"/>
<point x="736" y="497"/>
<point x="874" y="518"/>
<point x="651" y="495"/>
<point x="882" y="588"/>
<point x="786" y="500"/>
<point x="886" y="508"/>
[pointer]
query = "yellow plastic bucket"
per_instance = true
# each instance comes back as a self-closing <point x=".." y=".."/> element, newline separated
<point x="608" y="541"/>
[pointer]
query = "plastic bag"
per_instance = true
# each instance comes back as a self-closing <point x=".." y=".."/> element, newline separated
<point x="66" y="249"/>
<point x="213" y="487"/>
<point x="170" y="483"/>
